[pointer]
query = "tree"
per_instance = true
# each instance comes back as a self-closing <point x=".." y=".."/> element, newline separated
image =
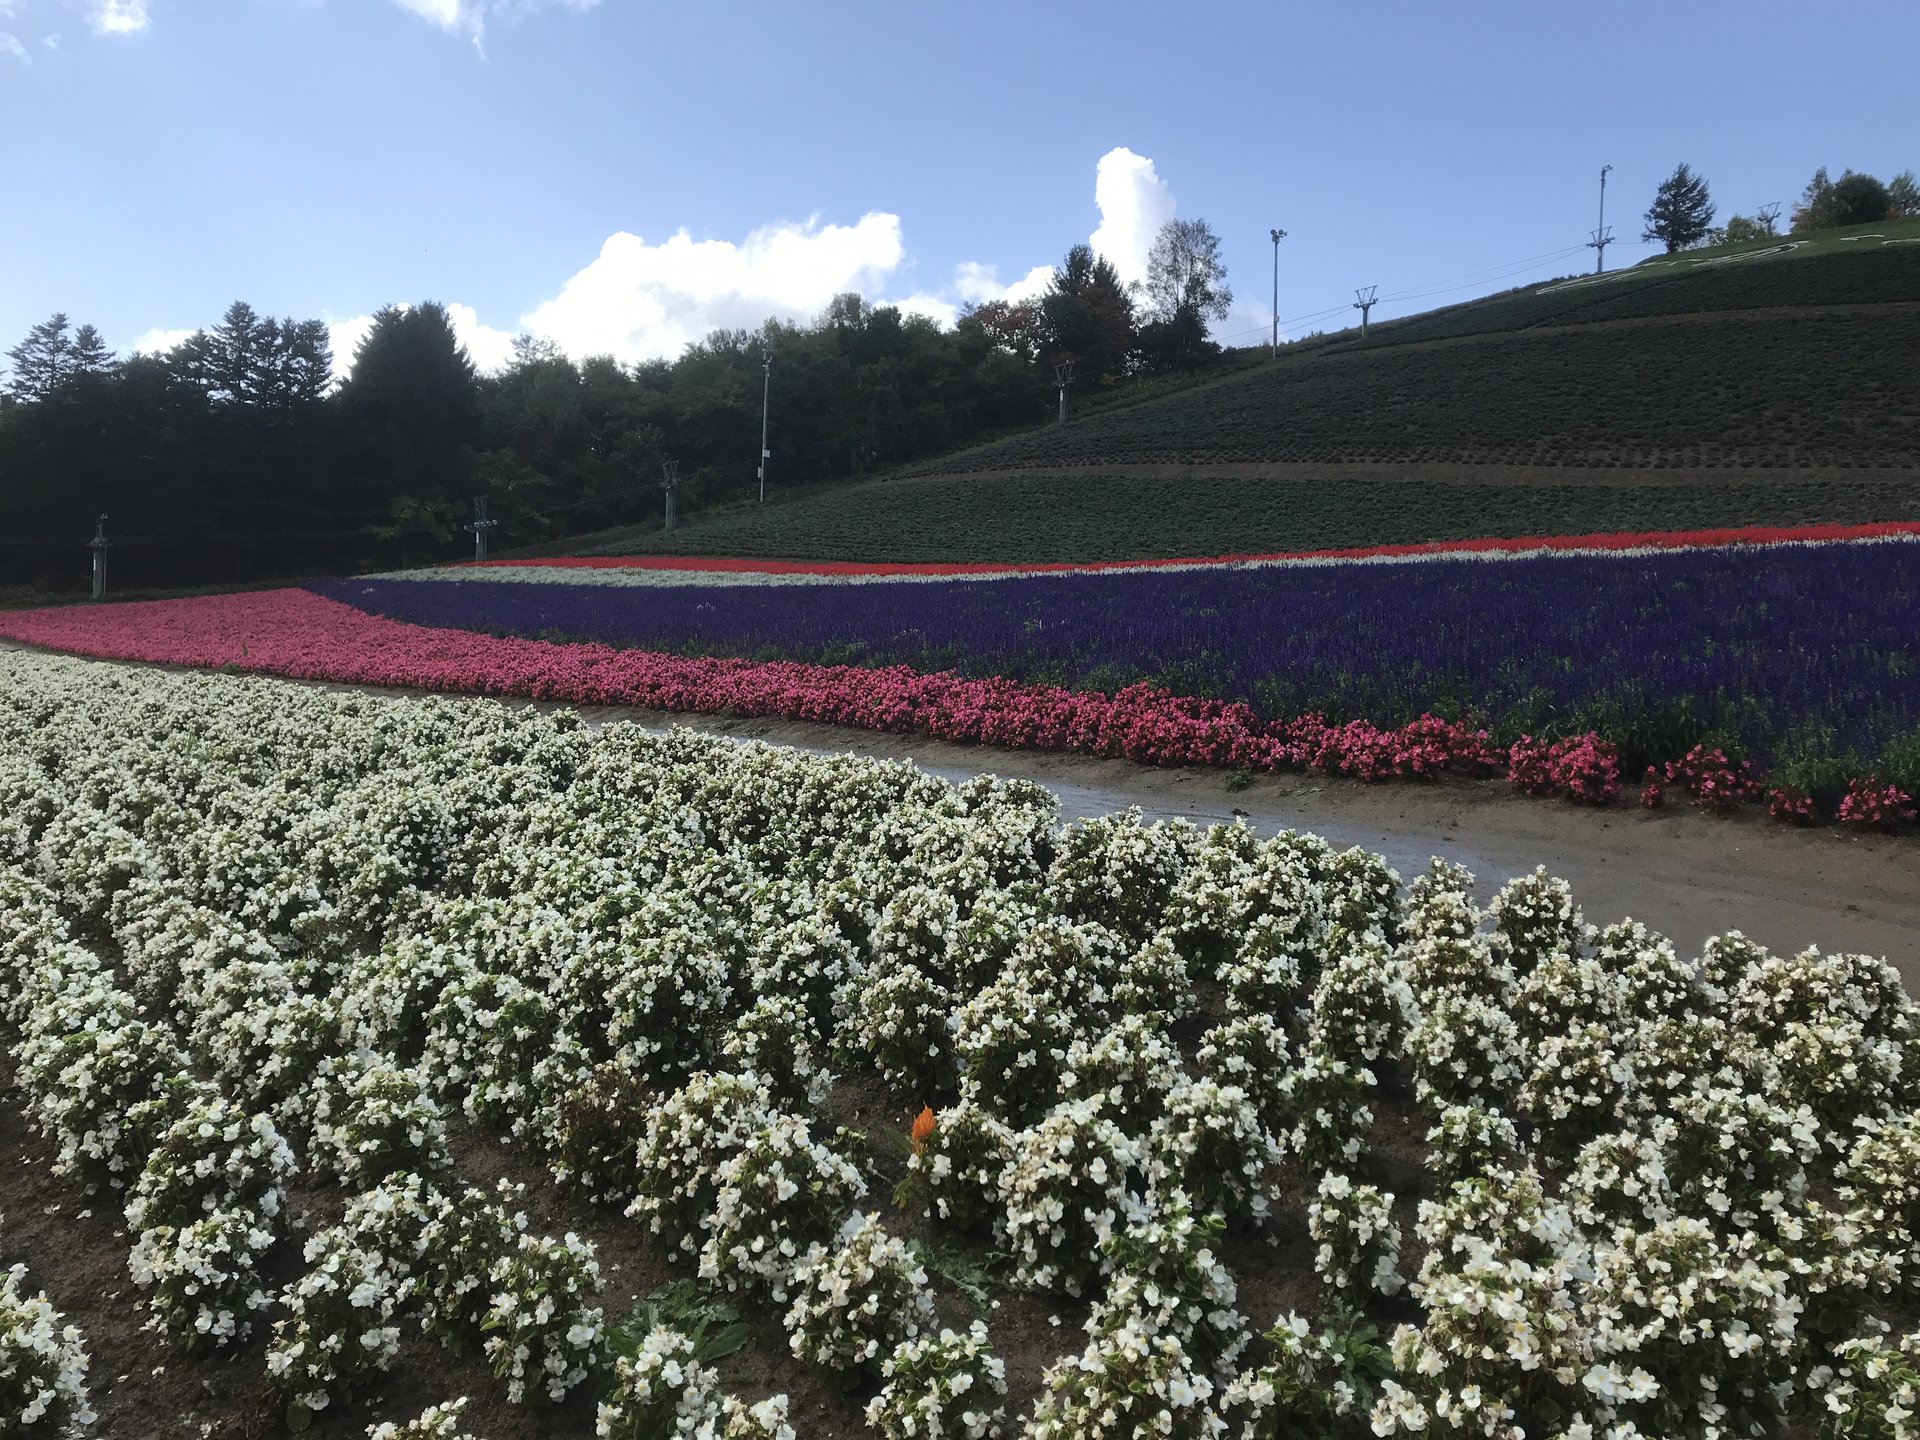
<point x="1860" y="200"/>
<point x="1087" y="315"/>
<point x="89" y="354"/>
<point x="42" y="361"/>
<point x="1186" y="287"/>
<point x="1010" y="326"/>
<point x="1741" y="228"/>
<point x="1903" y="194"/>
<point x="1682" y="211"/>
<point x="299" y="363"/>
<point x="413" y="401"/>
<point x="1815" y="210"/>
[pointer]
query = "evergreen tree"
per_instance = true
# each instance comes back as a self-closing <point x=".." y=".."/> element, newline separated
<point x="41" y="361"/>
<point x="1815" y="210"/>
<point x="298" y="363"/>
<point x="1087" y="315"/>
<point x="1903" y="194"/>
<point x="412" y="407"/>
<point x="1682" y="211"/>
<point x="89" y="354"/>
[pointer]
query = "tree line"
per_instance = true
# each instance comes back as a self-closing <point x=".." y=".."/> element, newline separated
<point x="235" y="455"/>
<point x="1681" y="216"/>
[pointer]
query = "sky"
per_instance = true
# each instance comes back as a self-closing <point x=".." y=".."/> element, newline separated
<point x="624" y="177"/>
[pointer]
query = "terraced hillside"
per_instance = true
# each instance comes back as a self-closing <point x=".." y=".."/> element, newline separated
<point x="1771" y="387"/>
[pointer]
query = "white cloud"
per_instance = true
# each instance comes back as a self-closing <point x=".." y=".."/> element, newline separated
<point x="158" y="342"/>
<point x="52" y="42"/>
<point x="640" y="302"/>
<point x="490" y="349"/>
<point x="942" y="312"/>
<point x="120" y="17"/>
<point x="344" y="337"/>
<point x="471" y="17"/>
<point x="10" y="45"/>
<point x="979" y="283"/>
<point x="643" y="301"/>
<point x="1134" y="203"/>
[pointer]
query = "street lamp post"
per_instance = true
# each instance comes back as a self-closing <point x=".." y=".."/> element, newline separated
<point x="1278" y="236"/>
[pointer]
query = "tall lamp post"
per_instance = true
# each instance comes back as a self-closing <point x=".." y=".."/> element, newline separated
<point x="766" y="381"/>
<point x="1278" y="236"/>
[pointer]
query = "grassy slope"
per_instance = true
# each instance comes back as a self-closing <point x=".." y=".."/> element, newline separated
<point x="1771" y="390"/>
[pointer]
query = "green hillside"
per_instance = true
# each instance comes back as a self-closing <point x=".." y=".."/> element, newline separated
<point x="1774" y="388"/>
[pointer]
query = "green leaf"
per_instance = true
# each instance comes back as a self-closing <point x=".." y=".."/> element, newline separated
<point x="299" y="1417"/>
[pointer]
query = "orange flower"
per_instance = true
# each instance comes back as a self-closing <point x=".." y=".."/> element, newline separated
<point x="922" y="1128"/>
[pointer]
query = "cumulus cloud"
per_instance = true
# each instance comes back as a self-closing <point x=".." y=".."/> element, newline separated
<point x="641" y="300"/>
<point x="52" y="42"/>
<point x="10" y="45"/>
<point x="119" y="17"/>
<point x="1134" y="203"/>
<point x="638" y="301"/>
<point x="488" y="348"/>
<point x="491" y="349"/>
<point x="158" y="341"/>
<point x="471" y="17"/>
<point x="344" y="337"/>
<point x="977" y="283"/>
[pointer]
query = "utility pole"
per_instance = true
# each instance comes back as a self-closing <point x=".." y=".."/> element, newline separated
<point x="1770" y="216"/>
<point x="99" y="545"/>
<point x="1363" y="302"/>
<point x="480" y="525"/>
<point x="1063" y="377"/>
<point x="669" y="482"/>
<point x="766" y="384"/>
<point x="1602" y="237"/>
<point x="1278" y="236"/>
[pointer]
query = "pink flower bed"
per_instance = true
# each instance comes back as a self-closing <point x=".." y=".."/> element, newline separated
<point x="300" y="635"/>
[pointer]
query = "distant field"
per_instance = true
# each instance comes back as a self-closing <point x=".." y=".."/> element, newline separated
<point x="1775" y="389"/>
<point x="1751" y="278"/>
<point x="1805" y="390"/>
<point x="1092" y="516"/>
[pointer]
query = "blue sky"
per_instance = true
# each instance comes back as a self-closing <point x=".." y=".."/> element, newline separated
<point x="532" y="161"/>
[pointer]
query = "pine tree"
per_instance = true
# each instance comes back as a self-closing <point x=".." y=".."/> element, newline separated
<point x="41" y="361"/>
<point x="1903" y="193"/>
<point x="1682" y="211"/>
<point x="1815" y="210"/>
<point x="1087" y="314"/>
<point x="89" y="354"/>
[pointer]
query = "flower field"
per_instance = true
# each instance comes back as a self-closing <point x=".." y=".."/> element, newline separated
<point x="1790" y="649"/>
<point x="898" y="1071"/>
<point x="1717" y="667"/>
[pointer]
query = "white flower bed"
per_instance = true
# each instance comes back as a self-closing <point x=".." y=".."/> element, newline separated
<point x="1662" y="1197"/>
<point x="856" y="1299"/>
<point x="43" y="1365"/>
<point x="949" y="1386"/>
